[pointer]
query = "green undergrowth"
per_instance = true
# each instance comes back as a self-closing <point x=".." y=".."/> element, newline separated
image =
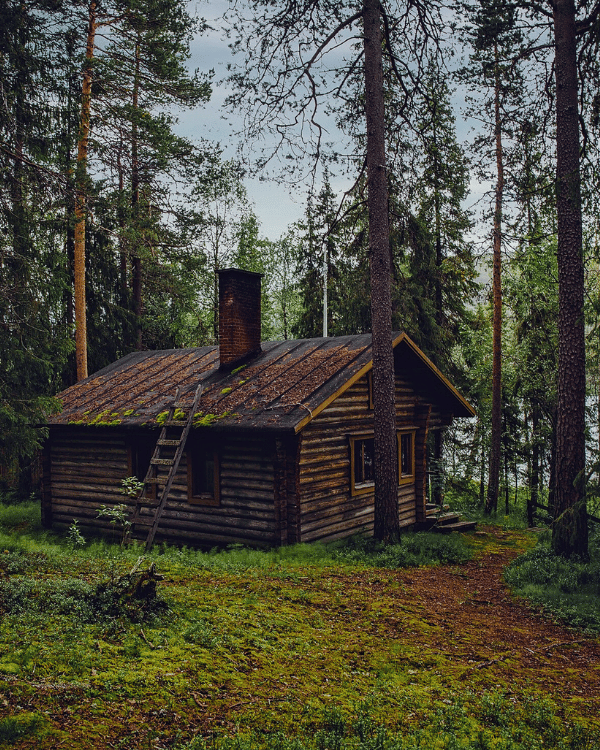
<point x="309" y="647"/>
<point x="491" y="720"/>
<point x="566" y="589"/>
<point x="20" y="531"/>
<point x="469" y="507"/>
<point x="15" y="728"/>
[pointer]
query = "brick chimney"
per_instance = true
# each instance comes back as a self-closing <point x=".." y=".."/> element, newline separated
<point x="239" y="316"/>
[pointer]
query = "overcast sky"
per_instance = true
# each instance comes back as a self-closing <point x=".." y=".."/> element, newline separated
<point x="277" y="206"/>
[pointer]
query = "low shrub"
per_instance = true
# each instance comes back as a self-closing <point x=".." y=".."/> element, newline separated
<point x="23" y="516"/>
<point x="15" y="728"/>
<point x="412" y="550"/>
<point x="568" y="589"/>
<point x="129" y="597"/>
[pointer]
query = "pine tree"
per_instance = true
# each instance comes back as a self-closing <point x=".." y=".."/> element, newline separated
<point x="317" y="266"/>
<point x="33" y="343"/>
<point x="127" y="83"/>
<point x="495" y="39"/>
<point x="569" y="533"/>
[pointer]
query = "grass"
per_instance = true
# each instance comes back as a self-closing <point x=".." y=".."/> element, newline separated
<point x="311" y="647"/>
<point x="461" y="722"/>
<point x="567" y="589"/>
<point x="21" y="532"/>
<point x="469" y="506"/>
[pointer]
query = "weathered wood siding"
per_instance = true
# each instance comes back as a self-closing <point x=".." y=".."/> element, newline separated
<point x="327" y="508"/>
<point x="87" y="466"/>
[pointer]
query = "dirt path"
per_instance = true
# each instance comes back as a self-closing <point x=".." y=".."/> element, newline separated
<point x="267" y="652"/>
<point x="482" y="629"/>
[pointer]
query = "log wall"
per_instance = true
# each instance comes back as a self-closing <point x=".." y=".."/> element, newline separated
<point x="272" y="490"/>
<point x="87" y="466"/>
<point x="327" y="509"/>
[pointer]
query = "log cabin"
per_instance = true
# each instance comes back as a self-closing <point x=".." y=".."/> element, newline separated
<point x="281" y="447"/>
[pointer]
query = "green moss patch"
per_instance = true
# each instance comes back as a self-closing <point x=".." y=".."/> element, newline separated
<point x="313" y="647"/>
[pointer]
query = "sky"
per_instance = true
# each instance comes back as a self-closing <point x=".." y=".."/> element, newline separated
<point x="277" y="206"/>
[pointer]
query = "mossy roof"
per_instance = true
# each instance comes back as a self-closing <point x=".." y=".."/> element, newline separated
<point x="282" y="388"/>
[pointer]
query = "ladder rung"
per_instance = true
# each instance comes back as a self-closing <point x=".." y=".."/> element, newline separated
<point x="144" y="521"/>
<point x="148" y="502"/>
<point x="161" y="461"/>
<point x="154" y="507"/>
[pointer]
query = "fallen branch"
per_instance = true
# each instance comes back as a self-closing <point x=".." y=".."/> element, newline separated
<point x="558" y="645"/>
<point x="145" y="639"/>
<point x="489" y="663"/>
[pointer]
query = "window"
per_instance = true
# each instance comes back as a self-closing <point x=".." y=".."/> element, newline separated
<point x="406" y="457"/>
<point x="203" y="476"/>
<point x="362" y="461"/>
<point x="141" y="450"/>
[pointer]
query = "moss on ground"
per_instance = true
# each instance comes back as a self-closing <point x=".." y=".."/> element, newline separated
<point x="307" y="647"/>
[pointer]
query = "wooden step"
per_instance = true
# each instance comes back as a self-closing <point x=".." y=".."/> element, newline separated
<point x="144" y="521"/>
<point x="174" y="423"/>
<point x="458" y="526"/>
<point x="446" y="518"/>
<point x="156" y="480"/>
<point x="431" y="509"/>
<point x="173" y="443"/>
<point x="161" y="461"/>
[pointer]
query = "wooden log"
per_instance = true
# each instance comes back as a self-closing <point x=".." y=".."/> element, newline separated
<point x="79" y="489"/>
<point x="198" y="513"/>
<point x="210" y="538"/>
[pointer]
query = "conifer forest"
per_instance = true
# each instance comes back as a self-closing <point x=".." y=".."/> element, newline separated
<point x="465" y="134"/>
<point x="444" y="159"/>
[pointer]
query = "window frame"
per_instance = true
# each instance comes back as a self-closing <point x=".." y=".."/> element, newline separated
<point x="147" y="443"/>
<point x="407" y="478"/>
<point x="370" y="389"/>
<point x="366" y="487"/>
<point x="203" y="498"/>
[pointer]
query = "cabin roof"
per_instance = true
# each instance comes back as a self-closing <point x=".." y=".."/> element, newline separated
<point x="282" y="388"/>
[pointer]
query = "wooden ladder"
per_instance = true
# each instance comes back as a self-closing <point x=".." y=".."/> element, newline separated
<point x="174" y="446"/>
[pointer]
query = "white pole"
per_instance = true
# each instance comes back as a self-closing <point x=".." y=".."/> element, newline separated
<point x="325" y="289"/>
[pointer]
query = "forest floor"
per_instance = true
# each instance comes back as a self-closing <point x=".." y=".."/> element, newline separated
<point x="442" y="657"/>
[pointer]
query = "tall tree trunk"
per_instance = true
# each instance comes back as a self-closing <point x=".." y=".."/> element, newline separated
<point x="496" y="439"/>
<point x="80" y="200"/>
<point x="136" y="261"/>
<point x="506" y="485"/>
<point x="534" y="497"/>
<point x="570" y="532"/>
<point x="438" y="440"/>
<point x="482" y="474"/>
<point x="121" y="215"/>
<point x="387" y="526"/>
<point x="552" y="469"/>
<point x="67" y="167"/>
